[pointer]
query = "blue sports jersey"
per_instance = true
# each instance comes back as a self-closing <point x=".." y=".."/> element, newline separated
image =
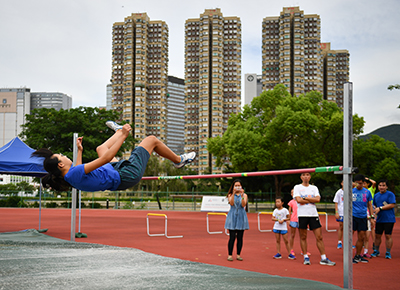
<point x="360" y="202"/>
<point x="102" y="178"/>
<point x="382" y="199"/>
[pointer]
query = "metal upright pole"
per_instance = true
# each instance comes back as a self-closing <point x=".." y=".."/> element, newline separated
<point x="347" y="186"/>
<point x="40" y="204"/>
<point x="73" y="205"/>
<point x="80" y="202"/>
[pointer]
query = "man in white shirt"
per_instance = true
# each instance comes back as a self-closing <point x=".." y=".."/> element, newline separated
<point x="306" y="196"/>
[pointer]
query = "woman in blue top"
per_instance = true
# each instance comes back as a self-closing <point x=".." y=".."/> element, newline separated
<point x="236" y="220"/>
<point x="106" y="172"/>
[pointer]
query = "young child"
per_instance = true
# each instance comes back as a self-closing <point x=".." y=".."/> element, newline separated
<point x="106" y="172"/>
<point x="294" y="222"/>
<point x="338" y="200"/>
<point x="280" y="216"/>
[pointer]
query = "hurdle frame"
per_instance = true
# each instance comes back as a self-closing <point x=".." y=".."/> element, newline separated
<point x="208" y="225"/>
<point x="326" y="221"/>
<point x="166" y="226"/>
<point x="259" y="222"/>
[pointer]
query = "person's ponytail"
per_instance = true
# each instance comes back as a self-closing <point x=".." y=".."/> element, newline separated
<point x="50" y="164"/>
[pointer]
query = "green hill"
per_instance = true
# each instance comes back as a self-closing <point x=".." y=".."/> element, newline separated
<point x="389" y="133"/>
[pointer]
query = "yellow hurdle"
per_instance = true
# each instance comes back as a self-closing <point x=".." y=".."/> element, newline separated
<point x="208" y="225"/>
<point x="166" y="226"/>
<point x="259" y="223"/>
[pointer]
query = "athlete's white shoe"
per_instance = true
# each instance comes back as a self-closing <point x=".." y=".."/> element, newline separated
<point x="185" y="159"/>
<point x="113" y="125"/>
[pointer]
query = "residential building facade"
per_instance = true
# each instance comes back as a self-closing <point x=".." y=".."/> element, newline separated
<point x="213" y="81"/>
<point x="292" y="53"/>
<point x="139" y="74"/>
<point x="336" y="72"/>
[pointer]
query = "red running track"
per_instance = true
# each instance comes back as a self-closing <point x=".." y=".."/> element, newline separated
<point x="127" y="228"/>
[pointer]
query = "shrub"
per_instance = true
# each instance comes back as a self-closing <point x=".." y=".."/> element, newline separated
<point x="51" y="204"/>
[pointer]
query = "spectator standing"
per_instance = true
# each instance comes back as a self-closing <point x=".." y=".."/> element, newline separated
<point x="362" y="201"/>
<point x="236" y="220"/>
<point x="338" y="200"/>
<point x="280" y="216"/>
<point x="385" y="202"/>
<point x="306" y="196"/>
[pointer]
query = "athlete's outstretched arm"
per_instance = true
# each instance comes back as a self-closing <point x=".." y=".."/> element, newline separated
<point x="110" y="152"/>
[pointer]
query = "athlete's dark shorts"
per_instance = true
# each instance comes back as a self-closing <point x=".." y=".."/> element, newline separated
<point x="131" y="171"/>
<point x="311" y="221"/>
<point x="360" y="224"/>
<point x="387" y="227"/>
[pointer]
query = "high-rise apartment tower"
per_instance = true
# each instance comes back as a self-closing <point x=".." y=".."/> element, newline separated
<point x="336" y="72"/>
<point x="292" y="54"/>
<point x="139" y="74"/>
<point x="213" y="81"/>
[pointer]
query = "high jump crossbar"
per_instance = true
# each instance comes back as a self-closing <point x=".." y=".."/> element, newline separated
<point x="249" y="174"/>
<point x="166" y="226"/>
<point x="208" y="225"/>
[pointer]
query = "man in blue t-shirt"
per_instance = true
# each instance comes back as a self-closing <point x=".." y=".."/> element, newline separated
<point x="384" y="202"/>
<point x="362" y="201"/>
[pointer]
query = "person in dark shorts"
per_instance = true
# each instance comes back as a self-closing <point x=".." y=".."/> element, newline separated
<point x="106" y="172"/>
<point x="306" y="196"/>
<point x="362" y="201"/>
<point x="384" y="202"/>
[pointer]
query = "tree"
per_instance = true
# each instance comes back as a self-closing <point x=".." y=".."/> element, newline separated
<point x="278" y="131"/>
<point x="8" y="189"/>
<point x="388" y="169"/>
<point x="25" y="187"/>
<point x="52" y="129"/>
<point x="397" y="87"/>
<point x="378" y="158"/>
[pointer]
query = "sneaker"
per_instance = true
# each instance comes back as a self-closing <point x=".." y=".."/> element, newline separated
<point x="278" y="256"/>
<point x="291" y="257"/>
<point x="388" y="255"/>
<point x="114" y="126"/>
<point x="239" y="258"/>
<point x="185" y="159"/>
<point x="354" y="247"/>
<point x="367" y="256"/>
<point x="306" y="261"/>
<point x="375" y="254"/>
<point x="230" y="259"/>
<point x="327" y="262"/>
<point x="355" y="261"/>
<point x="339" y="246"/>
<point x="362" y="259"/>
<point x="292" y="253"/>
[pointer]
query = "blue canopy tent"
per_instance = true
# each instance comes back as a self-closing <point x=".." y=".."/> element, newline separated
<point x="15" y="159"/>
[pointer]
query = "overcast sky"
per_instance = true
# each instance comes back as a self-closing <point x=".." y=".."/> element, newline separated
<point x="65" y="45"/>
